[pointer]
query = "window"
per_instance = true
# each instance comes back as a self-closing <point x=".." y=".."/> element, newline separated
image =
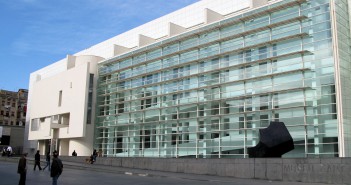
<point x="264" y="120"/>
<point x="264" y="104"/>
<point x="174" y="137"/>
<point x="248" y="56"/>
<point x="147" y="79"/>
<point x="35" y="125"/>
<point x="226" y="127"/>
<point x="175" y="72"/>
<point x="274" y="48"/>
<point x="262" y="52"/>
<point x="60" y="99"/>
<point x="120" y="108"/>
<point x="241" y="125"/>
<point x="263" y="68"/>
<point x="90" y="98"/>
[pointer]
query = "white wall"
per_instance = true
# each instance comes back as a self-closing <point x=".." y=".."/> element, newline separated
<point x="73" y="84"/>
<point x="73" y="80"/>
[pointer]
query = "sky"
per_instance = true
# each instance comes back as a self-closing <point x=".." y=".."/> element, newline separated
<point x="37" y="33"/>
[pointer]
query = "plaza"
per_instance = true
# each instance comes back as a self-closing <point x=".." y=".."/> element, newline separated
<point x="84" y="174"/>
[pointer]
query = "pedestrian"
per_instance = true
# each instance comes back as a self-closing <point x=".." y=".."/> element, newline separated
<point x="37" y="160"/>
<point x="56" y="168"/>
<point x="9" y="151"/>
<point x="47" y="161"/>
<point x="4" y="151"/>
<point x="74" y="153"/>
<point x="95" y="154"/>
<point x="91" y="159"/>
<point x="22" y="169"/>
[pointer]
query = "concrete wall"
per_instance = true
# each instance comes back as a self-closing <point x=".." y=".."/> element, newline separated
<point x="324" y="170"/>
<point x="16" y="138"/>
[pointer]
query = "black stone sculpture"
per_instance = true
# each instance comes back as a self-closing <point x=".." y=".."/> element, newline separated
<point x="275" y="140"/>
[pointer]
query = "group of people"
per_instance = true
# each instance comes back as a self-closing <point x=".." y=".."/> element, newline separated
<point x="7" y="151"/>
<point x="55" y="168"/>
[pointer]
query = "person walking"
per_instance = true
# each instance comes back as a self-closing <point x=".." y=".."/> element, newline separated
<point x="22" y="169"/>
<point x="47" y="161"/>
<point x="37" y="160"/>
<point x="56" y="168"/>
<point x="95" y="154"/>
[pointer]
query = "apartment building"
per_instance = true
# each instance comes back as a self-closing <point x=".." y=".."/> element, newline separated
<point x="200" y="82"/>
<point x="13" y="109"/>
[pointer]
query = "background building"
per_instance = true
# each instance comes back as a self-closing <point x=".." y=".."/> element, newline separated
<point x="13" y="111"/>
<point x="200" y="82"/>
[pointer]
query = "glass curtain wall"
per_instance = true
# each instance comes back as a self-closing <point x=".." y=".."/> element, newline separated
<point x="207" y="95"/>
<point x="342" y="40"/>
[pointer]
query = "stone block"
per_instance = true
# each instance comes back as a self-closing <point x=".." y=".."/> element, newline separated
<point x="173" y="167"/>
<point x="346" y="160"/>
<point x="220" y="170"/>
<point x="297" y="171"/>
<point x="260" y="168"/>
<point x="230" y="170"/>
<point x="127" y="162"/>
<point x="332" y="160"/>
<point x="274" y="171"/>
<point x="301" y="161"/>
<point x="191" y="168"/>
<point x="328" y="173"/>
<point x="212" y="168"/>
<point x="180" y="167"/>
<point x="116" y="162"/>
<point x="346" y="173"/>
<point x="244" y="170"/>
<point x="106" y="161"/>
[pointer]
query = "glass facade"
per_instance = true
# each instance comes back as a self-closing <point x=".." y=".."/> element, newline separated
<point x="206" y="93"/>
<point x="341" y="33"/>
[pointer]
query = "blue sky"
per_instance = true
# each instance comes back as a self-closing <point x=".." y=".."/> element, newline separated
<point x="37" y="33"/>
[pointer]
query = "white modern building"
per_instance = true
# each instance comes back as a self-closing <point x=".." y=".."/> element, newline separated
<point x="201" y="81"/>
<point x="61" y="105"/>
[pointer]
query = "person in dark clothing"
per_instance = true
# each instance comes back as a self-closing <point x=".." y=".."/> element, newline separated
<point x="91" y="159"/>
<point x="95" y="154"/>
<point x="74" y="153"/>
<point x="22" y="169"/>
<point x="47" y="161"/>
<point x="56" y="168"/>
<point x="37" y="160"/>
<point x="4" y="151"/>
